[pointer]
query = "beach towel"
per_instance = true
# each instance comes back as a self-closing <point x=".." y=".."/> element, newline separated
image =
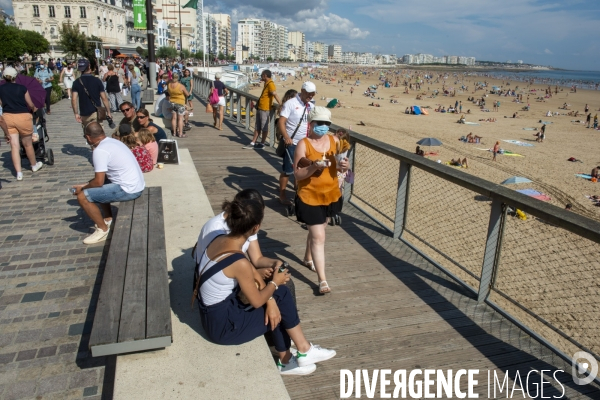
<point x="513" y="154"/>
<point x="518" y="143"/>
<point x="545" y="122"/>
<point x="542" y="197"/>
<point x="530" y="129"/>
<point x="416" y="110"/>
<point x="471" y="123"/>
<point x="584" y="176"/>
<point x="529" y="192"/>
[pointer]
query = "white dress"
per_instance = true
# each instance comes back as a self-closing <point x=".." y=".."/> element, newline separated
<point x="68" y="78"/>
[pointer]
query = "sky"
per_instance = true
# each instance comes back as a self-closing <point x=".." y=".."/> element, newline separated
<point x="559" y="33"/>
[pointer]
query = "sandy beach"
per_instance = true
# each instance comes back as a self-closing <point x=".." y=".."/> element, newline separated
<point x="544" y="163"/>
<point x="545" y="269"/>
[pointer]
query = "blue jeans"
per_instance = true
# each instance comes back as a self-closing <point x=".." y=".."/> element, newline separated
<point x="109" y="193"/>
<point x="136" y="96"/>
<point x="288" y="160"/>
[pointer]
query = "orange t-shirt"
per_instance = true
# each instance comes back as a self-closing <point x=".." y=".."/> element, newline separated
<point x="265" y="101"/>
<point x="320" y="189"/>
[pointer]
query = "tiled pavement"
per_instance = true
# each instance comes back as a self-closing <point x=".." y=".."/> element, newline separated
<point x="49" y="280"/>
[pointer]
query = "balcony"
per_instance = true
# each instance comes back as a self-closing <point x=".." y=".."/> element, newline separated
<point x="136" y="33"/>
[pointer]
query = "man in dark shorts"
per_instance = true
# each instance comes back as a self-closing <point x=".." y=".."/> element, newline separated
<point x="88" y="93"/>
<point x="263" y="108"/>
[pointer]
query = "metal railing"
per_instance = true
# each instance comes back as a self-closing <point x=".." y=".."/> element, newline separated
<point x="542" y="272"/>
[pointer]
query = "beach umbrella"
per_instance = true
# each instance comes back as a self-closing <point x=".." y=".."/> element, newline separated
<point x="515" y="179"/>
<point x="332" y="103"/>
<point x="429" y="142"/>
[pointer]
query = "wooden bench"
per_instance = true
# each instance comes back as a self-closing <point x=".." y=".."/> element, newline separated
<point x="133" y="311"/>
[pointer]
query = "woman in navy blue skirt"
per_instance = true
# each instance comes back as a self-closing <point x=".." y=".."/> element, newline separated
<point x="224" y="271"/>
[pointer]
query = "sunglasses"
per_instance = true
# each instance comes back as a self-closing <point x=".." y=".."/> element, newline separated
<point x="321" y="123"/>
<point x="141" y="116"/>
<point x="125" y="110"/>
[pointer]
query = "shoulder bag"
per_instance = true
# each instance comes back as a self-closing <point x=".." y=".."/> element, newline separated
<point x="280" y="150"/>
<point x="101" y="111"/>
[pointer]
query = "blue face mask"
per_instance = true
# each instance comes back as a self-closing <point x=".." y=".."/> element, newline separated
<point x="320" y="130"/>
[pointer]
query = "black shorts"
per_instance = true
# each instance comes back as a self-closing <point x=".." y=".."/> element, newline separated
<point x="316" y="215"/>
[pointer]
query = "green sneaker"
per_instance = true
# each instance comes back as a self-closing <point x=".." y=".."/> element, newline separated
<point x="292" y="368"/>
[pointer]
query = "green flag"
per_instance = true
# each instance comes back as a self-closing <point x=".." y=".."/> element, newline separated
<point x="191" y="4"/>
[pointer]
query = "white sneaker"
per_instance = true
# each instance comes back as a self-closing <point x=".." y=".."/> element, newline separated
<point x="108" y="224"/>
<point x="98" y="236"/>
<point x="191" y="114"/>
<point x="250" y="146"/>
<point x="292" y="368"/>
<point x="314" y="355"/>
<point x="19" y="176"/>
<point x="37" y="166"/>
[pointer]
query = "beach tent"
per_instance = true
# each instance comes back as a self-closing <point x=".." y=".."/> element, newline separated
<point x="416" y="110"/>
<point x="332" y="103"/>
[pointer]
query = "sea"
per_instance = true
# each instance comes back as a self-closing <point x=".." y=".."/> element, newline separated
<point x="569" y="78"/>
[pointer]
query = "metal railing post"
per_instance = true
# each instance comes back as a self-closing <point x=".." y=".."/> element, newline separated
<point x="248" y="112"/>
<point x="348" y="187"/>
<point x="272" y="127"/>
<point x="230" y="104"/>
<point x="492" y="248"/>
<point x="239" y="109"/>
<point x="402" y="199"/>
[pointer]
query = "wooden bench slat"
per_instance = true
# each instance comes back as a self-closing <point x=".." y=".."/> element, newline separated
<point x="158" y="314"/>
<point x="108" y="309"/>
<point x="133" y="313"/>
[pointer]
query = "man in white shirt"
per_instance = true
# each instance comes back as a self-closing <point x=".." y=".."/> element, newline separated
<point x="293" y="119"/>
<point x="115" y="162"/>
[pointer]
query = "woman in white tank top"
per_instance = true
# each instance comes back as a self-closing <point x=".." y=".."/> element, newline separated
<point x="224" y="271"/>
<point x="67" y="77"/>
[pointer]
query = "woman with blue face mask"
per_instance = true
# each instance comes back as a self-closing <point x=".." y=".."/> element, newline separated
<point x="318" y="194"/>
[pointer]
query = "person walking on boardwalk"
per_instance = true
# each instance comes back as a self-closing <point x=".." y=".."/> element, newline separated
<point x="45" y="76"/>
<point x="318" y="196"/>
<point x="263" y="109"/>
<point x="87" y="94"/>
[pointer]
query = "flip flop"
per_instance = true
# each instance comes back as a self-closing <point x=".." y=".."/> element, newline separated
<point x="324" y="287"/>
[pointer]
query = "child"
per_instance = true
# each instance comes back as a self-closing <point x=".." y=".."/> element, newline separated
<point x="146" y="138"/>
<point x="142" y="155"/>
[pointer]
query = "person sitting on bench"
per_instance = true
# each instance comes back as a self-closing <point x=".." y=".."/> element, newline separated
<point x="114" y="162"/>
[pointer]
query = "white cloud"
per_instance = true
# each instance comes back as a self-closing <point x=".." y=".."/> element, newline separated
<point x="330" y="26"/>
<point x="548" y="51"/>
<point x="6" y="5"/>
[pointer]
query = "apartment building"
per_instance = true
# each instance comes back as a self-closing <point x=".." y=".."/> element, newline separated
<point x="334" y="53"/>
<point x="296" y="46"/>
<point x="224" y="22"/>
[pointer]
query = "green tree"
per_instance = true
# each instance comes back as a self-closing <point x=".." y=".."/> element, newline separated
<point x="11" y="45"/>
<point x="72" y="40"/>
<point x="269" y="58"/>
<point x="199" y="55"/>
<point x="35" y="43"/>
<point x="141" y="51"/>
<point x="166" y="52"/>
<point x="186" y="53"/>
<point x="221" y="56"/>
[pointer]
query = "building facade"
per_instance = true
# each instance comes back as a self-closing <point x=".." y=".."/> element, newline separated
<point x="248" y="42"/>
<point x="224" y="22"/>
<point x="319" y="52"/>
<point x="296" y="46"/>
<point x="334" y="53"/>
<point x="170" y="12"/>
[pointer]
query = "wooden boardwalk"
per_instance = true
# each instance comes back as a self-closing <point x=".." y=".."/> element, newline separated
<point x="389" y="308"/>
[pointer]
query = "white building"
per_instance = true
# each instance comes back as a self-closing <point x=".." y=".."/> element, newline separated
<point x="248" y="39"/>
<point x="319" y="52"/>
<point x="261" y="40"/>
<point x="224" y="22"/>
<point x="169" y="11"/>
<point x="163" y="34"/>
<point x="296" y="46"/>
<point x="309" y="50"/>
<point x="104" y="20"/>
<point x="451" y="60"/>
<point x="334" y="53"/>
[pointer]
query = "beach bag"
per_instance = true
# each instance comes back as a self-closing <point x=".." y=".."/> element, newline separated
<point x="209" y="108"/>
<point x="280" y="150"/>
<point x="214" y="97"/>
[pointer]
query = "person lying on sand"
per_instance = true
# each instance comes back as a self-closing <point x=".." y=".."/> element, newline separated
<point x="375" y="104"/>
<point x="393" y="101"/>
<point x="596" y="172"/>
<point x="460" y="163"/>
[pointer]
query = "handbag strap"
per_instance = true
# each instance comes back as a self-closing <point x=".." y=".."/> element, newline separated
<point x="86" y="92"/>
<point x="215" y="269"/>
<point x="299" y="122"/>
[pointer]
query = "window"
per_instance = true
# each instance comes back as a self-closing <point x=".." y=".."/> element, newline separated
<point x="51" y="12"/>
<point x="67" y="11"/>
<point x="36" y="11"/>
<point x="82" y="12"/>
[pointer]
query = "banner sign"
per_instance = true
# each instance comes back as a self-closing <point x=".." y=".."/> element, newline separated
<point x="139" y="14"/>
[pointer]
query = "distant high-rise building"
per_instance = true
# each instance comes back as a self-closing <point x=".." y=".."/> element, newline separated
<point x="334" y="53"/>
<point x="319" y="52"/>
<point x="224" y="21"/>
<point x="261" y="39"/>
<point x="296" y="46"/>
<point x="248" y="39"/>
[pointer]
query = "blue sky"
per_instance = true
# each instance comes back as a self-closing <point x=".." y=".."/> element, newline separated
<point x="561" y="33"/>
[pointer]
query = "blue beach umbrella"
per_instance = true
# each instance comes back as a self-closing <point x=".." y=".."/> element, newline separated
<point x="515" y="179"/>
<point x="429" y="142"/>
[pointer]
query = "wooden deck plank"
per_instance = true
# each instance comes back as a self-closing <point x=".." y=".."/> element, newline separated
<point x="133" y="314"/>
<point x="158" y="311"/>
<point x="108" y="310"/>
<point x="389" y="307"/>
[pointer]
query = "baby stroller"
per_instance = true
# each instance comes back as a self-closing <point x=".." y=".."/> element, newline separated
<point x="42" y="153"/>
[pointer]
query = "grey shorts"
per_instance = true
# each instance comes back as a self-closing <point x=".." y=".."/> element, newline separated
<point x="262" y="121"/>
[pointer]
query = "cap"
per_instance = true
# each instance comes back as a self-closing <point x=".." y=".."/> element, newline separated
<point x="319" y="113"/>
<point x="82" y="65"/>
<point x="218" y="75"/>
<point x="309" y="87"/>
<point x="10" y="71"/>
<point x="124" y="130"/>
